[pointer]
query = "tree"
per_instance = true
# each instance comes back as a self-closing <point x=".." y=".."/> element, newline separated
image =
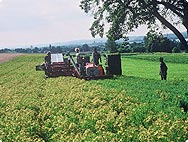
<point x="123" y="45"/>
<point x="156" y="42"/>
<point x="111" y="46"/>
<point x="137" y="47"/>
<point x="85" y="47"/>
<point x="176" y="50"/>
<point x="124" y="16"/>
<point x="36" y="50"/>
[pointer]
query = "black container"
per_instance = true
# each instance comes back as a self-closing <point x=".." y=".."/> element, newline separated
<point x="114" y="64"/>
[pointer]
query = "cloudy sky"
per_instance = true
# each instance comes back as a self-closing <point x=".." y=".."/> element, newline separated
<point x="24" y="22"/>
<point x="31" y="22"/>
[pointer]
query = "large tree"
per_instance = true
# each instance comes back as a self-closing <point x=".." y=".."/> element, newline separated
<point x="124" y="16"/>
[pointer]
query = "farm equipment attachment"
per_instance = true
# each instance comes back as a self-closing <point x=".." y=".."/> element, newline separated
<point x="66" y="66"/>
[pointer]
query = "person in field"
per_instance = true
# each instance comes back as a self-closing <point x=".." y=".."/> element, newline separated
<point x="47" y="60"/>
<point x="96" y="57"/>
<point x="79" y="60"/>
<point x="163" y="69"/>
<point x="78" y="56"/>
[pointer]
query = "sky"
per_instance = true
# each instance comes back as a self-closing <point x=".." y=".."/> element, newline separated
<point x="32" y="22"/>
<point x="27" y="22"/>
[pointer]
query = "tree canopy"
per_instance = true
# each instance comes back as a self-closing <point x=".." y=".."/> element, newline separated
<point x="124" y="16"/>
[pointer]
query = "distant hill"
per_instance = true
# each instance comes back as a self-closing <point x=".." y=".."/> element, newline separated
<point x="174" y="37"/>
<point x="81" y="42"/>
<point x="99" y="41"/>
<point x="170" y="36"/>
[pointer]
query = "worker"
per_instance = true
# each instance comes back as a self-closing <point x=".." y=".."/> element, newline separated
<point x="163" y="69"/>
<point x="96" y="57"/>
<point x="79" y="61"/>
<point x="47" y="60"/>
<point x="78" y="56"/>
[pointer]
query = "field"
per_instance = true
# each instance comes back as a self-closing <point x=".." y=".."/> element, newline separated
<point x="137" y="106"/>
<point x="4" y="57"/>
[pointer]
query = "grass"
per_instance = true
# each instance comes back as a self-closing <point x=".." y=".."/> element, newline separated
<point x="173" y="58"/>
<point x="147" y="66"/>
<point x="137" y="106"/>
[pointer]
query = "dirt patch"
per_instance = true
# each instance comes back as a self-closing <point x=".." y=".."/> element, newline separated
<point x="4" y="57"/>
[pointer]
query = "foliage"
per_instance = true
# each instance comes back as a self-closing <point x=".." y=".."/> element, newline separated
<point x="85" y="47"/>
<point x="124" y="16"/>
<point x="137" y="47"/>
<point x="111" y="46"/>
<point x="155" y="42"/>
<point x="134" y="107"/>
<point x="123" y="45"/>
<point x="53" y="49"/>
<point x="176" y="50"/>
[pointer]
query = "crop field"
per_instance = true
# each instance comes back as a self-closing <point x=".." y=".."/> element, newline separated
<point x="136" y="106"/>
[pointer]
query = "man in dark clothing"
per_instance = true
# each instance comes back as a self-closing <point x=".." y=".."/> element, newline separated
<point x="96" y="57"/>
<point x="163" y="69"/>
<point x="47" y="58"/>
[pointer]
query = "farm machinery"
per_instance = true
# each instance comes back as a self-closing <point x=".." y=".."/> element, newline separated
<point x="64" y="65"/>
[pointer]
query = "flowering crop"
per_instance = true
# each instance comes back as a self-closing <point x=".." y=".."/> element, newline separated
<point x="127" y="108"/>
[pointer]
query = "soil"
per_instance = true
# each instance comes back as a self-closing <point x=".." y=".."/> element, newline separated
<point x="4" y="57"/>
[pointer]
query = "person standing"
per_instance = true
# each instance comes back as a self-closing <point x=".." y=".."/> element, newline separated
<point x="47" y="60"/>
<point x="96" y="57"/>
<point x="79" y="61"/>
<point x="78" y="56"/>
<point x="163" y="69"/>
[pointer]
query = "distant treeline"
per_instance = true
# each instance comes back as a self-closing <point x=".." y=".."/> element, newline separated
<point x="153" y="42"/>
<point x="169" y="47"/>
<point x="53" y="49"/>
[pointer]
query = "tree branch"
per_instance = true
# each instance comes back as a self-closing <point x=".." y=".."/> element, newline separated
<point x="171" y="27"/>
<point x="171" y="7"/>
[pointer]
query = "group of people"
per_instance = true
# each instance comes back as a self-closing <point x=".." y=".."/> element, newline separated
<point x="80" y="61"/>
<point x="96" y="58"/>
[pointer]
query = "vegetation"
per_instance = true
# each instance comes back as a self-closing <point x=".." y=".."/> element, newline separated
<point x="152" y="42"/>
<point x="53" y="49"/>
<point x="124" y="16"/>
<point x="111" y="46"/>
<point x="156" y="42"/>
<point x="137" y="106"/>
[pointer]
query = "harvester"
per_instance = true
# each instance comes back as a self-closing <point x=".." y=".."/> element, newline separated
<point x="64" y="65"/>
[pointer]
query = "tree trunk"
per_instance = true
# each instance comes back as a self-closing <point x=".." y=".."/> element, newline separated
<point x="172" y="28"/>
<point x="185" y="17"/>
